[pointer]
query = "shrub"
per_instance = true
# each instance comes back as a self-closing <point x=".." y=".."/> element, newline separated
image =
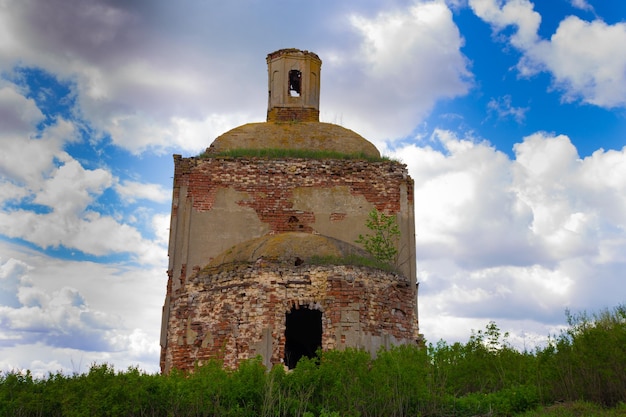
<point x="382" y="243"/>
<point x="584" y="366"/>
<point x="589" y="359"/>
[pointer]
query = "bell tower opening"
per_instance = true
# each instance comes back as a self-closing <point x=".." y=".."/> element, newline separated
<point x="303" y="334"/>
<point x="295" y="78"/>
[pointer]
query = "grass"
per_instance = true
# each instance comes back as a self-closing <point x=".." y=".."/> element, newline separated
<point x="354" y="260"/>
<point x="576" y="409"/>
<point x="277" y="153"/>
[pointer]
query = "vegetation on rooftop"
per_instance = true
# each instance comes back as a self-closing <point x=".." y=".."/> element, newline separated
<point x="278" y="153"/>
<point x="320" y="260"/>
<point x="354" y="260"/>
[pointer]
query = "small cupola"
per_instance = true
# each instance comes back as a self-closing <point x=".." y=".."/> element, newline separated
<point x="294" y="86"/>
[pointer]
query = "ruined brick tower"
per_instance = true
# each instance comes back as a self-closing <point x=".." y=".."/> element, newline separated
<point x="248" y="232"/>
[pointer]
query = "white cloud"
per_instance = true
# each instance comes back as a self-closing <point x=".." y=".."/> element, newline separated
<point x="72" y="225"/>
<point x="503" y="108"/>
<point x="18" y="113"/>
<point x="70" y="314"/>
<point x="518" y="13"/>
<point x="35" y="170"/>
<point x="58" y="318"/>
<point x="13" y="273"/>
<point x="132" y="191"/>
<point x="154" y="84"/>
<point x="10" y="192"/>
<point x="71" y="188"/>
<point x="131" y="83"/>
<point x="27" y="159"/>
<point x="456" y="4"/>
<point x="161" y="227"/>
<point x="587" y="60"/>
<point x="90" y="233"/>
<point x="166" y="97"/>
<point x="197" y="134"/>
<point x="467" y="196"/>
<point x="515" y="241"/>
<point x="582" y="5"/>
<point x="407" y="61"/>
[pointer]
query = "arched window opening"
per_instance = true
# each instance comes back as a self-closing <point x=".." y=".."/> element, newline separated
<point x="295" y="78"/>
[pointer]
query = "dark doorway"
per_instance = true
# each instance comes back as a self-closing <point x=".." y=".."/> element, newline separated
<point x="303" y="334"/>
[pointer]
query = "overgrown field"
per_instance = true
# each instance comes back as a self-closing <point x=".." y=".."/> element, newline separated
<point x="581" y="372"/>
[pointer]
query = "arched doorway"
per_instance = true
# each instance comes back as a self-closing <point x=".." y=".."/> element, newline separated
<point x="303" y="334"/>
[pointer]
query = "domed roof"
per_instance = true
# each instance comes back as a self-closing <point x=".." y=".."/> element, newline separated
<point x="285" y="248"/>
<point x="315" y="136"/>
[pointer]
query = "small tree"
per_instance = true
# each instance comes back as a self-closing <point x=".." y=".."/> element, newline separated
<point x="381" y="244"/>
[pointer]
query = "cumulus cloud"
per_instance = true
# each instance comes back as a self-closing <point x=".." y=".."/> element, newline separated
<point x="70" y="314"/>
<point x="587" y="60"/>
<point x="57" y="318"/>
<point x="512" y="13"/>
<point x="71" y="188"/>
<point x="67" y="220"/>
<point x="150" y="83"/>
<point x="133" y="190"/>
<point x="130" y="83"/>
<point x="64" y="312"/>
<point x="17" y="112"/>
<point x="515" y="240"/>
<point x="467" y="195"/>
<point x="50" y="199"/>
<point x="28" y="156"/>
<point x="407" y="60"/>
<point x="12" y="272"/>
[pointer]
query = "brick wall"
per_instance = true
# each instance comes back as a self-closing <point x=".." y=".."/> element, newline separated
<point x="239" y="313"/>
<point x="223" y="314"/>
<point x="293" y="114"/>
<point x="270" y="183"/>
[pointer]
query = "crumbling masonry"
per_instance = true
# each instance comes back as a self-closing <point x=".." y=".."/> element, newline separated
<point x="244" y="230"/>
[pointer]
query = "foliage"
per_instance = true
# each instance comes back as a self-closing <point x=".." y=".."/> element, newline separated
<point x="589" y="359"/>
<point x="278" y="153"/>
<point x="382" y="243"/>
<point x="354" y="260"/>
<point x="577" y="409"/>
<point x="582" y="370"/>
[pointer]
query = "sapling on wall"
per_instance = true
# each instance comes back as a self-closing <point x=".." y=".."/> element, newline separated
<point x="382" y="242"/>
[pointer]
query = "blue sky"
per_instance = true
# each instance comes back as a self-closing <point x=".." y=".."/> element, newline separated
<point x="510" y="115"/>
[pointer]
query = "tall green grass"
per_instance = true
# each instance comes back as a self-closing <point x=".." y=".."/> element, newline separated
<point x="581" y="372"/>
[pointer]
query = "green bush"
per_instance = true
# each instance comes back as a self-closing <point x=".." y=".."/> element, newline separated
<point x="382" y="243"/>
<point x="584" y="367"/>
<point x="588" y="361"/>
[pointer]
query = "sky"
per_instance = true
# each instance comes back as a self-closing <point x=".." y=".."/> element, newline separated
<point x="509" y="114"/>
